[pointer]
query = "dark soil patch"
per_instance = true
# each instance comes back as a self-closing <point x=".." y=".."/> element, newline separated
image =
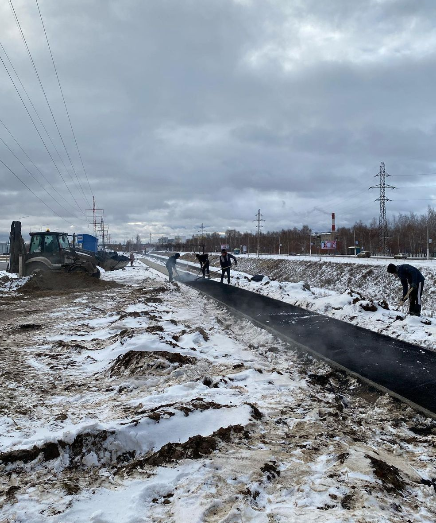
<point x="201" y="405"/>
<point x="60" y="281"/>
<point x="76" y="347"/>
<point x="153" y="299"/>
<point x="155" y="328"/>
<point x="347" y="502"/>
<point x="368" y="306"/>
<point x="342" y="458"/>
<point x="387" y="474"/>
<point x="429" y="483"/>
<point x="195" y="448"/>
<point x="29" y="326"/>
<point x="203" y="333"/>
<point x="270" y="470"/>
<point x="135" y="314"/>
<point x="255" y="412"/>
<point x="137" y="362"/>
<point x="49" y="450"/>
<point x="332" y="381"/>
<point x="177" y="337"/>
<point x="197" y="404"/>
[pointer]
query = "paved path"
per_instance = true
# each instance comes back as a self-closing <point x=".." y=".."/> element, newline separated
<point x="405" y="370"/>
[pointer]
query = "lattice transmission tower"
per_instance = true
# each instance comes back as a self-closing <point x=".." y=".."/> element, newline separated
<point x="258" y="219"/>
<point x="382" y="221"/>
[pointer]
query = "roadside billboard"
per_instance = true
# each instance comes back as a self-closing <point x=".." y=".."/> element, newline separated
<point x="328" y="245"/>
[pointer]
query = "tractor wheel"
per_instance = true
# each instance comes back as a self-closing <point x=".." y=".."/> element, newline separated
<point x="36" y="268"/>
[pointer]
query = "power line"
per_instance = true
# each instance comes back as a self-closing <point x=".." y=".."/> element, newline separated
<point x="34" y="177"/>
<point x="34" y="194"/>
<point x="44" y="93"/>
<point x="63" y="98"/>
<point x="36" y="167"/>
<point x="39" y="134"/>
<point x="33" y="106"/>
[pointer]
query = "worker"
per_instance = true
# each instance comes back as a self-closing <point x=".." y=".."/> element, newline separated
<point x="409" y="275"/>
<point x="204" y="264"/>
<point x="132" y="259"/>
<point x="171" y="265"/>
<point x="226" y="263"/>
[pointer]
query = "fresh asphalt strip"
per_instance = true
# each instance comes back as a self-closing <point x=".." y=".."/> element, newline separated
<point x="405" y="371"/>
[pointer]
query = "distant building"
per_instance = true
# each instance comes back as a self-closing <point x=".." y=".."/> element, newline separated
<point x="4" y="248"/>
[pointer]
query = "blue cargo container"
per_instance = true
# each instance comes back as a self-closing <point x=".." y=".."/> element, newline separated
<point x="87" y="242"/>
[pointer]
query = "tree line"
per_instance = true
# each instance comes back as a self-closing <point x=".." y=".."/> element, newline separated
<point x="407" y="233"/>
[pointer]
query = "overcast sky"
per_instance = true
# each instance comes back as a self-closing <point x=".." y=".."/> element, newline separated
<point x="203" y="111"/>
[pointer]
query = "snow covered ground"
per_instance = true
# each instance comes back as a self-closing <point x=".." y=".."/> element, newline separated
<point x="135" y="400"/>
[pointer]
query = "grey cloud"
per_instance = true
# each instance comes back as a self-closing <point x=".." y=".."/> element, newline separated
<point x="189" y="111"/>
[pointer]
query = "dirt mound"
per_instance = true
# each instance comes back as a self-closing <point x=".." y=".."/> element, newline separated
<point x="64" y="282"/>
<point x="195" y="448"/>
<point x="140" y="362"/>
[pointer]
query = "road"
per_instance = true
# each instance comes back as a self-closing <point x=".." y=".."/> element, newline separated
<point x="405" y="371"/>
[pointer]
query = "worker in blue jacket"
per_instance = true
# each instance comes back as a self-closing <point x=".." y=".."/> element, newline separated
<point x="410" y="275"/>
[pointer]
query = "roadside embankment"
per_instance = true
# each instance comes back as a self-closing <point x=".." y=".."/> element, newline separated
<point x="369" y="278"/>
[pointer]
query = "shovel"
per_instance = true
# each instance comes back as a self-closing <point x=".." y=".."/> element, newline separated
<point x="402" y="302"/>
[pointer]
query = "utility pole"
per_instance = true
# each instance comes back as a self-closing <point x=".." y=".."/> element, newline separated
<point x="310" y="242"/>
<point x="382" y="222"/>
<point x="94" y="215"/>
<point x="202" y="236"/>
<point x="259" y="226"/>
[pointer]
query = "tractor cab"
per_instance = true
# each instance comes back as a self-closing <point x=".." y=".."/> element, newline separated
<point x="51" y="245"/>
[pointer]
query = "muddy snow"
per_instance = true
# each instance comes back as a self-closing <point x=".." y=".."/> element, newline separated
<point x="135" y="400"/>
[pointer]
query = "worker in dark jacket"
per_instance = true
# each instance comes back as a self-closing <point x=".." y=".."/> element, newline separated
<point x="204" y="264"/>
<point x="410" y="275"/>
<point x="226" y="263"/>
<point x="171" y="265"/>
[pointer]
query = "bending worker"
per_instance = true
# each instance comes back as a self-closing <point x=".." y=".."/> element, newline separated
<point x="410" y="275"/>
<point x="171" y="265"/>
<point x="204" y="264"/>
<point x="226" y="263"/>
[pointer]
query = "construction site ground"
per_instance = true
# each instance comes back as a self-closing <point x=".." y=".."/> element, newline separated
<point x="130" y="399"/>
